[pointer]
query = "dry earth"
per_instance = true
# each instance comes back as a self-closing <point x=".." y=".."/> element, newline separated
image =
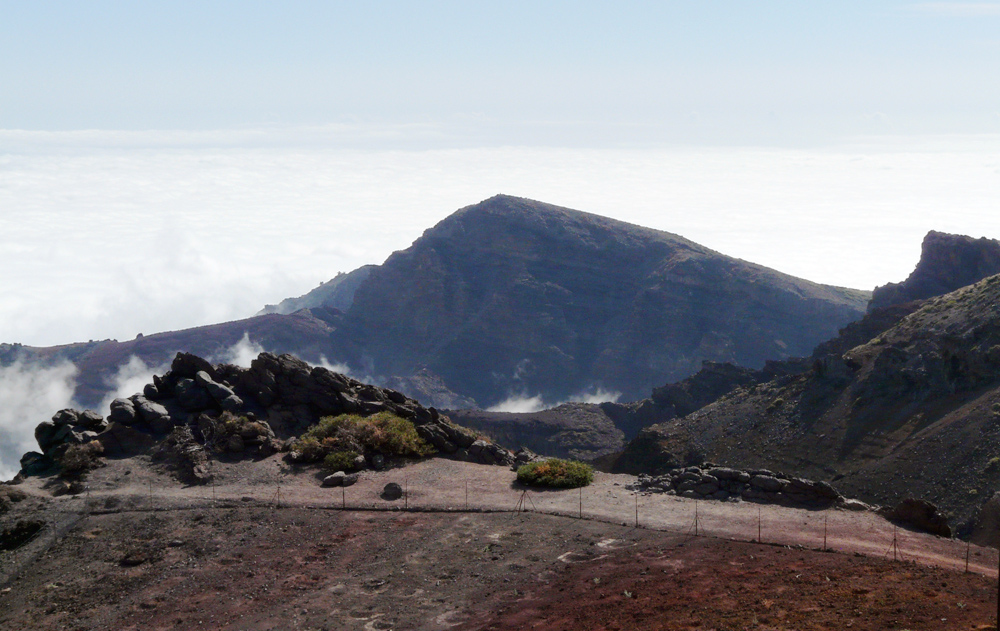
<point x="268" y="548"/>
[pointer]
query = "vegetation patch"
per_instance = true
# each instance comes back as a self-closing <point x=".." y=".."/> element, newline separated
<point x="79" y="459"/>
<point x="340" y="460"/>
<point x="557" y="473"/>
<point x="383" y="433"/>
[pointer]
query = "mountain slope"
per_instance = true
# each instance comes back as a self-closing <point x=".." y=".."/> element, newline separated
<point x="513" y="297"/>
<point x="915" y="411"/>
<point x="516" y="297"/>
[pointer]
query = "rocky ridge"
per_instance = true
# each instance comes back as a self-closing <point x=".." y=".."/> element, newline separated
<point x="197" y="409"/>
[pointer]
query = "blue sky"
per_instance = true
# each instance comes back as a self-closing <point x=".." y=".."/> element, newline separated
<point x="478" y="73"/>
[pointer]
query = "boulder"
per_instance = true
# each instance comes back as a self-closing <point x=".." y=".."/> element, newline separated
<point x="45" y="433"/>
<point x="34" y="463"/>
<point x="766" y="483"/>
<point x="122" y="412"/>
<point x="919" y="515"/>
<point x="191" y="396"/>
<point x="65" y="417"/>
<point x="340" y="479"/>
<point x="334" y="479"/>
<point x="392" y="492"/>
<point x="91" y="420"/>
<point x="188" y="365"/>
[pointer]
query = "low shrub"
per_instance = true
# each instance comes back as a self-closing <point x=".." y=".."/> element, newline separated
<point x="79" y="459"/>
<point x="383" y="433"/>
<point x="554" y="472"/>
<point x="339" y="461"/>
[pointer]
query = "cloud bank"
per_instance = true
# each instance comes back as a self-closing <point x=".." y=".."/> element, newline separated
<point x="29" y="394"/>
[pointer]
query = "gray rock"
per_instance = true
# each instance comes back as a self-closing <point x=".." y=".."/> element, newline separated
<point x="232" y="403"/>
<point x="192" y="396"/>
<point x="216" y="390"/>
<point x="122" y="412"/>
<point x="91" y="420"/>
<point x="392" y="492"/>
<point x="235" y="444"/>
<point x="360" y="462"/>
<point x="45" y="433"/>
<point x="34" y="463"/>
<point x="150" y="391"/>
<point x="766" y="483"/>
<point x="377" y="461"/>
<point x="149" y="411"/>
<point x="335" y="479"/>
<point x="65" y="417"/>
<point x="706" y="488"/>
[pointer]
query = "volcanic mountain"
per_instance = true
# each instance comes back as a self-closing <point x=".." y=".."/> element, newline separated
<point x="512" y="297"/>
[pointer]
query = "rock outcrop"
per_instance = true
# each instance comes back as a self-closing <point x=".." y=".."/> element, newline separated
<point x="196" y="408"/>
<point x="710" y="482"/>
<point x="947" y="262"/>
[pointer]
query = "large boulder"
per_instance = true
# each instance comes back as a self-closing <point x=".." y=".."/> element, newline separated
<point x="122" y="412"/>
<point x="918" y="515"/>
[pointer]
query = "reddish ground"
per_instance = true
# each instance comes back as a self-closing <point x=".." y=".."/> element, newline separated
<point x="143" y="553"/>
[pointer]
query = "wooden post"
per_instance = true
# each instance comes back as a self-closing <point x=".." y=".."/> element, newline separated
<point x="825" y="518"/>
<point x="696" y="518"/>
<point x="466" y="495"/>
<point x="637" y="510"/>
<point x="968" y="545"/>
<point x="581" y="502"/>
<point x="759" y="538"/>
<point x="343" y="498"/>
<point x="406" y="494"/>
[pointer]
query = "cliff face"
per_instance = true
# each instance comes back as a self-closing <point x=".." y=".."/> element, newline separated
<point x="512" y="296"/>
<point x="947" y="262"/>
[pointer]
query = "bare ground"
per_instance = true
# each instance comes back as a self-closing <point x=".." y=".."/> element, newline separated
<point x="267" y="548"/>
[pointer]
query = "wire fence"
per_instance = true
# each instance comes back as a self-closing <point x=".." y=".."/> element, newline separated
<point x="746" y="521"/>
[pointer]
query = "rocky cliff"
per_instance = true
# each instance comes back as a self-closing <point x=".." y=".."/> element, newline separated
<point x="947" y="262"/>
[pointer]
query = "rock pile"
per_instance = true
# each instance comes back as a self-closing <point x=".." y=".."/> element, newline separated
<point x="721" y="483"/>
<point x="242" y="412"/>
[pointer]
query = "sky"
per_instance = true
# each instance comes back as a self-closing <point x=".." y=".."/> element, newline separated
<point x="166" y="165"/>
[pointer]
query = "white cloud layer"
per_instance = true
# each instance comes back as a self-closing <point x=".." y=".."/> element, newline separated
<point x="108" y="234"/>
<point x="29" y="394"/>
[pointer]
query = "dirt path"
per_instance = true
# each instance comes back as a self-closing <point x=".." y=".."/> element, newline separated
<point x="457" y="486"/>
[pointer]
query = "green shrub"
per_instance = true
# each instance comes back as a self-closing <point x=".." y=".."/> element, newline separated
<point x="79" y="459"/>
<point x="384" y="433"/>
<point x="340" y="460"/>
<point x="310" y="448"/>
<point x="555" y="472"/>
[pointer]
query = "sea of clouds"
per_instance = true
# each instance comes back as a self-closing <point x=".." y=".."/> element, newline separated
<point x="109" y="234"/>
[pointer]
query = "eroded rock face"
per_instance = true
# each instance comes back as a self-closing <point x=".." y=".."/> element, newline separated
<point x="947" y="262"/>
